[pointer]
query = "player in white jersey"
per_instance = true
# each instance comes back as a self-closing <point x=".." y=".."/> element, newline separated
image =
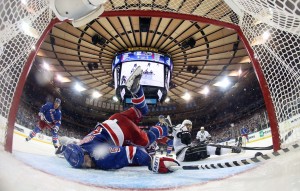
<point x="185" y="151"/>
<point x="203" y="136"/>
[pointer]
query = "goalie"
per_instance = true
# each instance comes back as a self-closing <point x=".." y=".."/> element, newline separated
<point x="118" y="142"/>
<point x="185" y="151"/>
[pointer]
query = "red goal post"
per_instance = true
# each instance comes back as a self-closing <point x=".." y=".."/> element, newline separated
<point x="274" y="60"/>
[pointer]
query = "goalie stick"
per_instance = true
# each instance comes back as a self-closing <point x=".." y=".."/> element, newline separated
<point x="256" y="159"/>
<point x="244" y="148"/>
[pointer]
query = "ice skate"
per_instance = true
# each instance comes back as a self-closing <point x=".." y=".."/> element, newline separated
<point x="27" y="139"/>
<point x="133" y="82"/>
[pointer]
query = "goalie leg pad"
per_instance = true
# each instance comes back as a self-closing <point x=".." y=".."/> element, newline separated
<point x="196" y="153"/>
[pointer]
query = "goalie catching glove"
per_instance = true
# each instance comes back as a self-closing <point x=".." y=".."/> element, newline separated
<point x="162" y="164"/>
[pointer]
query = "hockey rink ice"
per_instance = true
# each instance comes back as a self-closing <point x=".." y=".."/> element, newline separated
<point x="33" y="166"/>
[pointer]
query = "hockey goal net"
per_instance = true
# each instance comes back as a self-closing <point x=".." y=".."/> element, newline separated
<point x="270" y="32"/>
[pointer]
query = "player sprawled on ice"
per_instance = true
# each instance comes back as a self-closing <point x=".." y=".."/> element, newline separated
<point x="185" y="151"/>
<point x="118" y="142"/>
<point x="50" y="117"/>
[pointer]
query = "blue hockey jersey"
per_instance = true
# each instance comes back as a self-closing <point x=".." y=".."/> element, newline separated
<point x="51" y="115"/>
<point x="107" y="157"/>
<point x="244" y="131"/>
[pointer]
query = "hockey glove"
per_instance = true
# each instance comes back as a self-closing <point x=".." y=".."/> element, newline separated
<point x="162" y="164"/>
<point x="42" y="117"/>
<point x="186" y="137"/>
<point x="55" y="129"/>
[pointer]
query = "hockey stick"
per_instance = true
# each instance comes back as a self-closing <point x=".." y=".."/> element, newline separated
<point x="259" y="158"/>
<point x="244" y="148"/>
<point x="169" y="120"/>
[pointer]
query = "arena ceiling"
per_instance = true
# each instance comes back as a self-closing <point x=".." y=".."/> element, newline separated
<point x="218" y="52"/>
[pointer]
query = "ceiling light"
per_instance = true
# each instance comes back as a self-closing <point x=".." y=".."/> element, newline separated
<point x="46" y="66"/>
<point x="205" y="90"/>
<point x="79" y="88"/>
<point x="29" y="30"/>
<point x="96" y="94"/>
<point x="167" y="100"/>
<point x="59" y="77"/>
<point x="24" y="2"/>
<point x="25" y="26"/>
<point x="266" y="35"/>
<point x="62" y="78"/>
<point x="115" y="98"/>
<point x="234" y="73"/>
<point x="261" y="39"/>
<point x="240" y="72"/>
<point x="223" y="84"/>
<point x="186" y="96"/>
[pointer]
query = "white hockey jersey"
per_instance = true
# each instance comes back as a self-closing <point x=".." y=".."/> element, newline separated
<point x="178" y="145"/>
<point x="202" y="136"/>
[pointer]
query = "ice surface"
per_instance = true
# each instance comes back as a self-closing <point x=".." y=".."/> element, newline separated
<point x="33" y="166"/>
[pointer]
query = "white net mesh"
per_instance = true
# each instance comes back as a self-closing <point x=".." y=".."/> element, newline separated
<point x="216" y="9"/>
<point x="271" y="28"/>
<point x="273" y="32"/>
<point x="21" y="24"/>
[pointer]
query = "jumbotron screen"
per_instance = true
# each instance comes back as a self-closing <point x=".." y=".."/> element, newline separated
<point x="142" y="56"/>
<point x="153" y="73"/>
<point x="156" y="73"/>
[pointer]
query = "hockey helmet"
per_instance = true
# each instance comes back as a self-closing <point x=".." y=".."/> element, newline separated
<point x="74" y="155"/>
<point x="161" y="116"/>
<point x="187" y="122"/>
<point x="57" y="100"/>
<point x="202" y="128"/>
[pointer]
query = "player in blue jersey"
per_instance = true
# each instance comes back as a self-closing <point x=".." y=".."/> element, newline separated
<point x="119" y="142"/>
<point x="244" y="134"/>
<point x="50" y="117"/>
<point x="165" y="140"/>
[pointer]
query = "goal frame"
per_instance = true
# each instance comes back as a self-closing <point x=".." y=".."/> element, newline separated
<point x="148" y="13"/>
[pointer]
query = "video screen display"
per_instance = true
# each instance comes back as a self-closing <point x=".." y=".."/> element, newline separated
<point x="142" y="56"/>
<point x="153" y="73"/>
